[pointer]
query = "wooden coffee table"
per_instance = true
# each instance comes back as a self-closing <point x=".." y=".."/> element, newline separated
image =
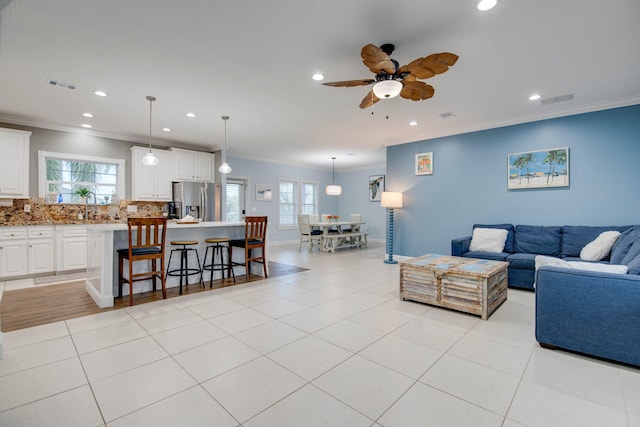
<point x="476" y="286"/>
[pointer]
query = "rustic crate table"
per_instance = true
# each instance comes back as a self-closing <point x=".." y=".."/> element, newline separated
<point x="475" y="286"/>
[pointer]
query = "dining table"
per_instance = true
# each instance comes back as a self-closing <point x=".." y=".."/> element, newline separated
<point x="340" y="234"/>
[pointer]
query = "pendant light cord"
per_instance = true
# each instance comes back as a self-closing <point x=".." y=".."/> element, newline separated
<point x="224" y="157"/>
<point x="150" y="99"/>
<point x="333" y="176"/>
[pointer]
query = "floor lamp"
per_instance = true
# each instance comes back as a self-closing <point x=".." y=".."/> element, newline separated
<point x="390" y="200"/>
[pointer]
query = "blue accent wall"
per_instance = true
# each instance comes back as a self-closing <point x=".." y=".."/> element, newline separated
<point x="469" y="182"/>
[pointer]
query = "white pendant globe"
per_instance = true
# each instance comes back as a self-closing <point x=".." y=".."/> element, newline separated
<point x="333" y="190"/>
<point x="225" y="168"/>
<point x="386" y="89"/>
<point x="150" y="159"/>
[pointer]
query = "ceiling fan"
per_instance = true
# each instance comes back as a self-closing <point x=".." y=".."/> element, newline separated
<point x="392" y="80"/>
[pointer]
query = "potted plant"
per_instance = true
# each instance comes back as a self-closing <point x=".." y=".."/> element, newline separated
<point x="83" y="192"/>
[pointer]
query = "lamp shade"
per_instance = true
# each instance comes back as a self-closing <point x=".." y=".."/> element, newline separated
<point x="225" y="168"/>
<point x="391" y="199"/>
<point x="150" y="159"/>
<point x="386" y="89"/>
<point x="333" y="190"/>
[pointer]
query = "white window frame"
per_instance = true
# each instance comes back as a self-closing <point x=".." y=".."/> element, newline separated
<point x="298" y="200"/>
<point x="42" y="169"/>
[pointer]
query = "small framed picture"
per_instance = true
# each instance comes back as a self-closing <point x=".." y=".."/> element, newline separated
<point x="424" y="164"/>
<point x="264" y="192"/>
<point x="376" y="187"/>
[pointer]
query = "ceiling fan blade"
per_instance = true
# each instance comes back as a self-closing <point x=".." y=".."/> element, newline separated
<point x="376" y="60"/>
<point x="416" y="91"/>
<point x="369" y="100"/>
<point x="429" y="66"/>
<point x="350" y="83"/>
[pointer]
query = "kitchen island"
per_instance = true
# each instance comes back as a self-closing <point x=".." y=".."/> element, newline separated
<point x="103" y="241"/>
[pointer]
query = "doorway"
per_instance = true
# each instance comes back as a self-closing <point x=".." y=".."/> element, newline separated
<point x="235" y="199"/>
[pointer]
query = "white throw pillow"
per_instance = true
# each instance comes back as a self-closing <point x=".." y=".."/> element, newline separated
<point x="488" y="240"/>
<point x="599" y="248"/>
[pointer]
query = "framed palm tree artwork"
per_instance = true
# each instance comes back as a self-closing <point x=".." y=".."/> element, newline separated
<point x="538" y="169"/>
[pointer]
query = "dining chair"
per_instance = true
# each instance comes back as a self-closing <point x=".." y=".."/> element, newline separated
<point x="355" y="217"/>
<point x="146" y="243"/>
<point x="307" y="235"/>
<point x="255" y="237"/>
<point x="324" y="217"/>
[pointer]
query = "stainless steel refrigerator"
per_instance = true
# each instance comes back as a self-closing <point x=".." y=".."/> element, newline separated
<point x="201" y="200"/>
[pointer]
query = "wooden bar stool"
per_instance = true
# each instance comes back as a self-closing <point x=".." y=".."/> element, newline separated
<point x="184" y="271"/>
<point x="217" y="245"/>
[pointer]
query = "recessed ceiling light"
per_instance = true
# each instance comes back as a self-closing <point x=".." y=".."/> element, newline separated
<point x="484" y="5"/>
<point x="100" y="93"/>
<point x="317" y="77"/>
<point x="535" y="97"/>
<point x="190" y="115"/>
<point x="166" y="129"/>
<point x="87" y="115"/>
<point x="86" y="125"/>
<point x="413" y="123"/>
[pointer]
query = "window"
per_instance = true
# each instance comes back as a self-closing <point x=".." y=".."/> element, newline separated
<point x="296" y="197"/>
<point x="60" y="175"/>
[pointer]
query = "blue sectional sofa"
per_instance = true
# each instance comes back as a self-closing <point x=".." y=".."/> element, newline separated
<point x="590" y="312"/>
<point x="525" y="242"/>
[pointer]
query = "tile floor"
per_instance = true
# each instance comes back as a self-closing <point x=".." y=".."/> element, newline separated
<point x="332" y="346"/>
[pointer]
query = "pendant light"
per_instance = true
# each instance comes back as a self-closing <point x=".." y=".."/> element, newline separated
<point x="224" y="167"/>
<point x="150" y="159"/>
<point x="333" y="189"/>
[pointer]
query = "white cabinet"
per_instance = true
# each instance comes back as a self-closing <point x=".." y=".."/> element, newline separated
<point x="72" y="247"/>
<point x="14" y="163"/>
<point x="41" y="250"/>
<point x="189" y="165"/>
<point x="13" y="252"/>
<point x="26" y="250"/>
<point x="151" y="183"/>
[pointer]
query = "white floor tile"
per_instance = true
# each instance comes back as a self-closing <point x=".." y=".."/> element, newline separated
<point x="188" y="336"/>
<point x="38" y="354"/>
<point x="168" y="320"/>
<point x="122" y="357"/>
<point x="269" y="336"/>
<point x="342" y="308"/>
<point x="309" y="357"/>
<point x="631" y="389"/>
<point x="381" y="319"/>
<point x="350" y="335"/>
<point x="95" y="321"/>
<point x="35" y="334"/>
<point x="193" y="407"/>
<point x="73" y="408"/>
<point x="310" y="320"/>
<point x="249" y="389"/>
<point x="477" y="384"/>
<point x="209" y="360"/>
<point x="279" y="307"/>
<point x="96" y="339"/>
<point x="406" y="357"/>
<point x="37" y="383"/>
<point x="309" y="407"/>
<point x="239" y="320"/>
<point x="214" y="306"/>
<point x="502" y="357"/>
<point x="132" y="390"/>
<point x="426" y="332"/>
<point x="425" y="406"/>
<point x="536" y="405"/>
<point x="577" y="376"/>
<point x="364" y="385"/>
<point x="310" y="298"/>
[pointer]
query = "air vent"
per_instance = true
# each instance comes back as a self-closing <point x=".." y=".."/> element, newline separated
<point x="553" y="100"/>
<point x="63" y="85"/>
<point x="447" y="115"/>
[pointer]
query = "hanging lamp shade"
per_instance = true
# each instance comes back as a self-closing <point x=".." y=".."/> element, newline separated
<point x="333" y="189"/>
<point x="224" y="167"/>
<point x="150" y="159"/>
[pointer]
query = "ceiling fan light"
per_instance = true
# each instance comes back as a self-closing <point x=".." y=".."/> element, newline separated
<point x="225" y="168"/>
<point x="386" y="89"/>
<point x="333" y="190"/>
<point x="150" y="159"/>
<point x="485" y="5"/>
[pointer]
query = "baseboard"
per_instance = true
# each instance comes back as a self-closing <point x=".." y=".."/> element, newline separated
<point x="102" y="302"/>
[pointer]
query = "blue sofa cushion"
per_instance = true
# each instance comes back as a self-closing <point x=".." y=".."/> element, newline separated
<point x="541" y="240"/>
<point x="634" y="266"/>
<point x="508" y="245"/>
<point x="576" y="237"/>
<point x="623" y="244"/>
<point x="522" y="260"/>
<point x="496" y="256"/>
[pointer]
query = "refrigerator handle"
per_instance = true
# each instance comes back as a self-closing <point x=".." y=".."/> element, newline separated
<point x="203" y="201"/>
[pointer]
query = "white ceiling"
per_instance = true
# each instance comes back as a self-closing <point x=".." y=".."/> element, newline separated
<point x="253" y="60"/>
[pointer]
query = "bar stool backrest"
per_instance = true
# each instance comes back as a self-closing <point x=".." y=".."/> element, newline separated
<point x="256" y="228"/>
<point x="146" y="235"/>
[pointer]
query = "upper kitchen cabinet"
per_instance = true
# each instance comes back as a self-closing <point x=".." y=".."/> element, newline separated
<point x="151" y="183"/>
<point x="191" y="165"/>
<point x="14" y="163"/>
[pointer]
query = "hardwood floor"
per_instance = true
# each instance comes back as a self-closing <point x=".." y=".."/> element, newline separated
<point x="24" y="308"/>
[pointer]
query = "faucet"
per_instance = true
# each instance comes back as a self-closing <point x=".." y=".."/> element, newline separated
<point x="86" y="206"/>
